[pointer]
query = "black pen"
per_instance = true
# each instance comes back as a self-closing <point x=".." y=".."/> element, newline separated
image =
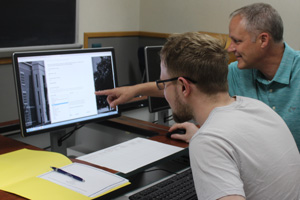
<point x="68" y="174"/>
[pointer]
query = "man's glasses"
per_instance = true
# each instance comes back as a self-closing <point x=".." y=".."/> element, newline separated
<point x="161" y="83"/>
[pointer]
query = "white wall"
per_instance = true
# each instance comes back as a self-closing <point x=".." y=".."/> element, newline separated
<point x="108" y="16"/>
<point x="170" y="16"/>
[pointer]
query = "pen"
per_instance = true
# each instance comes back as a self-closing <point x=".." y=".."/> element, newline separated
<point x="68" y="174"/>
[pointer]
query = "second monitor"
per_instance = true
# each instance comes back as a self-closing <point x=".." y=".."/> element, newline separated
<point x="160" y="105"/>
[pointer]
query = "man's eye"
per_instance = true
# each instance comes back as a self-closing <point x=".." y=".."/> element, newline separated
<point x="237" y="41"/>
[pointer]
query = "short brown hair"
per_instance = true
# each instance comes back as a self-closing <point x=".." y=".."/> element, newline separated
<point x="200" y="57"/>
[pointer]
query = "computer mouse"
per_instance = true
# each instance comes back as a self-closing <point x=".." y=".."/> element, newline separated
<point x="176" y="131"/>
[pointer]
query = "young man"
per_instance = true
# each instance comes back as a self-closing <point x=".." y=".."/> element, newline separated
<point x="266" y="69"/>
<point x="243" y="150"/>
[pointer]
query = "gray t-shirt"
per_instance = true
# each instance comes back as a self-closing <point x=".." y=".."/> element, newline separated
<point x="245" y="149"/>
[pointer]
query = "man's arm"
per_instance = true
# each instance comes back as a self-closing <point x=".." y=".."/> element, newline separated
<point x="124" y="94"/>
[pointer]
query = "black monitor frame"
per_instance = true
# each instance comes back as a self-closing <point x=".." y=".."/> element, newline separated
<point x="95" y="54"/>
<point x="156" y="104"/>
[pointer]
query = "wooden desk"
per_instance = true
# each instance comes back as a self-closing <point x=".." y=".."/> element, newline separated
<point x="8" y="145"/>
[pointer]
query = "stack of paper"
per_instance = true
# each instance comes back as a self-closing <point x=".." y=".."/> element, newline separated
<point x="131" y="155"/>
<point x="28" y="174"/>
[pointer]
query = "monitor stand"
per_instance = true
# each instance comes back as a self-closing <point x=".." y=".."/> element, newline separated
<point x="162" y="116"/>
<point x="54" y="138"/>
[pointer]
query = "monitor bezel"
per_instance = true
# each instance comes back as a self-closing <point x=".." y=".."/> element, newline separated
<point x="21" y="113"/>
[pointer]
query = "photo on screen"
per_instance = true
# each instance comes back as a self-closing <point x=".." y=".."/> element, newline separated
<point x="34" y="93"/>
<point x="103" y="77"/>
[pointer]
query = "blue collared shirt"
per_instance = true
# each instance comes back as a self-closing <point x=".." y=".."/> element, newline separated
<point x="282" y="93"/>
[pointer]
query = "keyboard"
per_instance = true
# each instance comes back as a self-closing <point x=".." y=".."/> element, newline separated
<point x="180" y="186"/>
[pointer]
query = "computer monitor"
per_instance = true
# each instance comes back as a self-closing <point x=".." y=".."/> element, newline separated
<point x="56" y="89"/>
<point x="160" y="105"/>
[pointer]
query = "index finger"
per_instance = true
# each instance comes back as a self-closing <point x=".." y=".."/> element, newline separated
<point x="103" y="92"/>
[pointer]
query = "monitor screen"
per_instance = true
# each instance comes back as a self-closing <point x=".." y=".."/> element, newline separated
<point x="152" y="59"/>
<point x="56" y="89"/>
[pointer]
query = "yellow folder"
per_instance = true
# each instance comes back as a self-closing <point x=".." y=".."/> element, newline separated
<point x="19" y="171"/>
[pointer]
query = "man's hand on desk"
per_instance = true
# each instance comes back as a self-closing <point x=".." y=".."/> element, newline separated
<point x="190" y="130"/>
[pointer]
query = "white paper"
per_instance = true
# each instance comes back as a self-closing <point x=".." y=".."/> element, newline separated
<point x="96" y="181"/>
<point x="130" y="155"/>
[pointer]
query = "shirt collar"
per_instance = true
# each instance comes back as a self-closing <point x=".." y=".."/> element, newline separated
<point x="283" y="73"/>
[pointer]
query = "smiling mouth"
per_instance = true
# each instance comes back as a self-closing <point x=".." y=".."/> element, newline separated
<point x="238" y="56"/>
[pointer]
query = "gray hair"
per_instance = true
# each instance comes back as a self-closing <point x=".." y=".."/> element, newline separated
<point x="261" y="17"/>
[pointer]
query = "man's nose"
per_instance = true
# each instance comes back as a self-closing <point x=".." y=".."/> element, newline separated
<point x="231" y="47"/>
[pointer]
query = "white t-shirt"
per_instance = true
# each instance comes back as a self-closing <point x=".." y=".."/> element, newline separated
<point x="245" y="149"/>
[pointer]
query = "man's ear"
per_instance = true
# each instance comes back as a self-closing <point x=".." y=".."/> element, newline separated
<point x="185" y="86"/>
<point x="264" y="39"/>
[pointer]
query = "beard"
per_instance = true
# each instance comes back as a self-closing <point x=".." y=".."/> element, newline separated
<point x="183" y="112"/>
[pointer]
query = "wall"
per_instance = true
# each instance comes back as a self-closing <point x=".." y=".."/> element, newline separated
<point x="169" y="16"/>
<point x="108" y="16"/>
